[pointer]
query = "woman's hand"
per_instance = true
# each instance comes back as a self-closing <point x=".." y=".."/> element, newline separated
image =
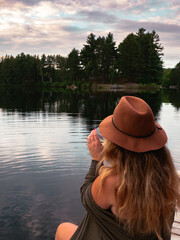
<point x="95" y="146"/>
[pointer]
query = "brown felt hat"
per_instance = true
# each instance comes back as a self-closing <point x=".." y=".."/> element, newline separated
<point x="133" y="127"/>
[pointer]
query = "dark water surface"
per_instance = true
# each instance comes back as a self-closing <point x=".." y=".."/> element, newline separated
<point x="43" y="153"/>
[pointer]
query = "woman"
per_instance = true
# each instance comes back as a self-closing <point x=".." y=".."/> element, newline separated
<point x="135" y="192"/>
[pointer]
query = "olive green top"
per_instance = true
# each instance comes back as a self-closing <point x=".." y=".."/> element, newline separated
<point x="99" y="223"/>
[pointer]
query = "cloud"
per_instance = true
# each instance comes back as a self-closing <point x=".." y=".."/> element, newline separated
<point x="97" y="16"/>
<point x="8" y="3"/>
<point x="95" y="4"/>
<point x="73" y="29"/>
<point x="56" y="27"/>
<point x="159" y="27"/>
<point x="174" y="5"/>
<point x="132" y="5"/>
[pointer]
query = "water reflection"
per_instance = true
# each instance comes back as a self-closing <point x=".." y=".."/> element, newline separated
<point x="43" y="153"/>
<point x="40" y="158"/>
<point x="91" y="105"/>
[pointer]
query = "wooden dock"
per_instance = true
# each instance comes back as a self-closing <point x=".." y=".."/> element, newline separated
<point x="176" y="227"/>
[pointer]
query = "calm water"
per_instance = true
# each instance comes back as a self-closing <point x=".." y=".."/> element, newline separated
<point x="43" y="154"/>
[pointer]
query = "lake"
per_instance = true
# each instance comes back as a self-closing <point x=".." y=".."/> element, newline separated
<point x="44" y="157"/>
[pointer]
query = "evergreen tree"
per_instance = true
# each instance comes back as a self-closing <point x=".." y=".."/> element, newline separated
<point x="61" y="63"/>
<point x="175" y="76"/>
<point x="129" y="58"/>
<point x="31" y="66"/>
<point x="150" y="56"/>
<point x="20" y="69"/>
<point x="50" y="67"/>
<point x="140" y="57"/>
<point x="106" y="57"/>
<point x="73" y="65"/>
<point x="137" y="59"/>
<point x="42" y="67"/>
<point x="166" y="77"/>
<point x="7" y="70"/>
<point x="88" y="58"/>
<point x="98" y="57"/>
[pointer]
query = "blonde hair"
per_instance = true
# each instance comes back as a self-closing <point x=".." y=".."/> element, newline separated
<point x="148" y="188"/>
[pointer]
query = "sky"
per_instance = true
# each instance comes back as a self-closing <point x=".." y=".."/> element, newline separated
<point x="58" y="26"/>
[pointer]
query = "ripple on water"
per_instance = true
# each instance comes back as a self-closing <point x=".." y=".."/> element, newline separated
<point x="43" y="159"/>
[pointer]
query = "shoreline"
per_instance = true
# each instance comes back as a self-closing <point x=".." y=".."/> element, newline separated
<point x="131" y="87"/>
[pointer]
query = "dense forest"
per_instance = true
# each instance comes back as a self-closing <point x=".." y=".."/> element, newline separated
<point x="137" y="59"/>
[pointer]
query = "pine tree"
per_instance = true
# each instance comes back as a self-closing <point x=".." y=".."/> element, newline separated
<point x="175" y="76"/>
<point x="140" y="57"/>
<point x="73" y="65"/>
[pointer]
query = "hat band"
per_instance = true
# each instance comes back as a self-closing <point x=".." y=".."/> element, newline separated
<point x="133" y="135"/>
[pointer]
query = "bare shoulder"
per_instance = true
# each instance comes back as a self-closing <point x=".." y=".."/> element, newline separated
<point x="104" y="196"/>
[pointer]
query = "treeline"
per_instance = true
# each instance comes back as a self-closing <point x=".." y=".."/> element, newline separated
<point x="137" y="59"/>
<point x="171" y="77"/>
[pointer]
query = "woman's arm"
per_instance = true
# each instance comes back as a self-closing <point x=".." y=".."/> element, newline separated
<point x="104" y="194"/>
<point x="95" y="148"/>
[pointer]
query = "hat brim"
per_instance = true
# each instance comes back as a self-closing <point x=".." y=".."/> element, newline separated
<point x="136" y="144"/>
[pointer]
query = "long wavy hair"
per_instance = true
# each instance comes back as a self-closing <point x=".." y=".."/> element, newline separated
<point x="148" y="189"/>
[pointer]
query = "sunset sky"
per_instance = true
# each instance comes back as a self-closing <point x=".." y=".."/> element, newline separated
<point x="58" y="26"/>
